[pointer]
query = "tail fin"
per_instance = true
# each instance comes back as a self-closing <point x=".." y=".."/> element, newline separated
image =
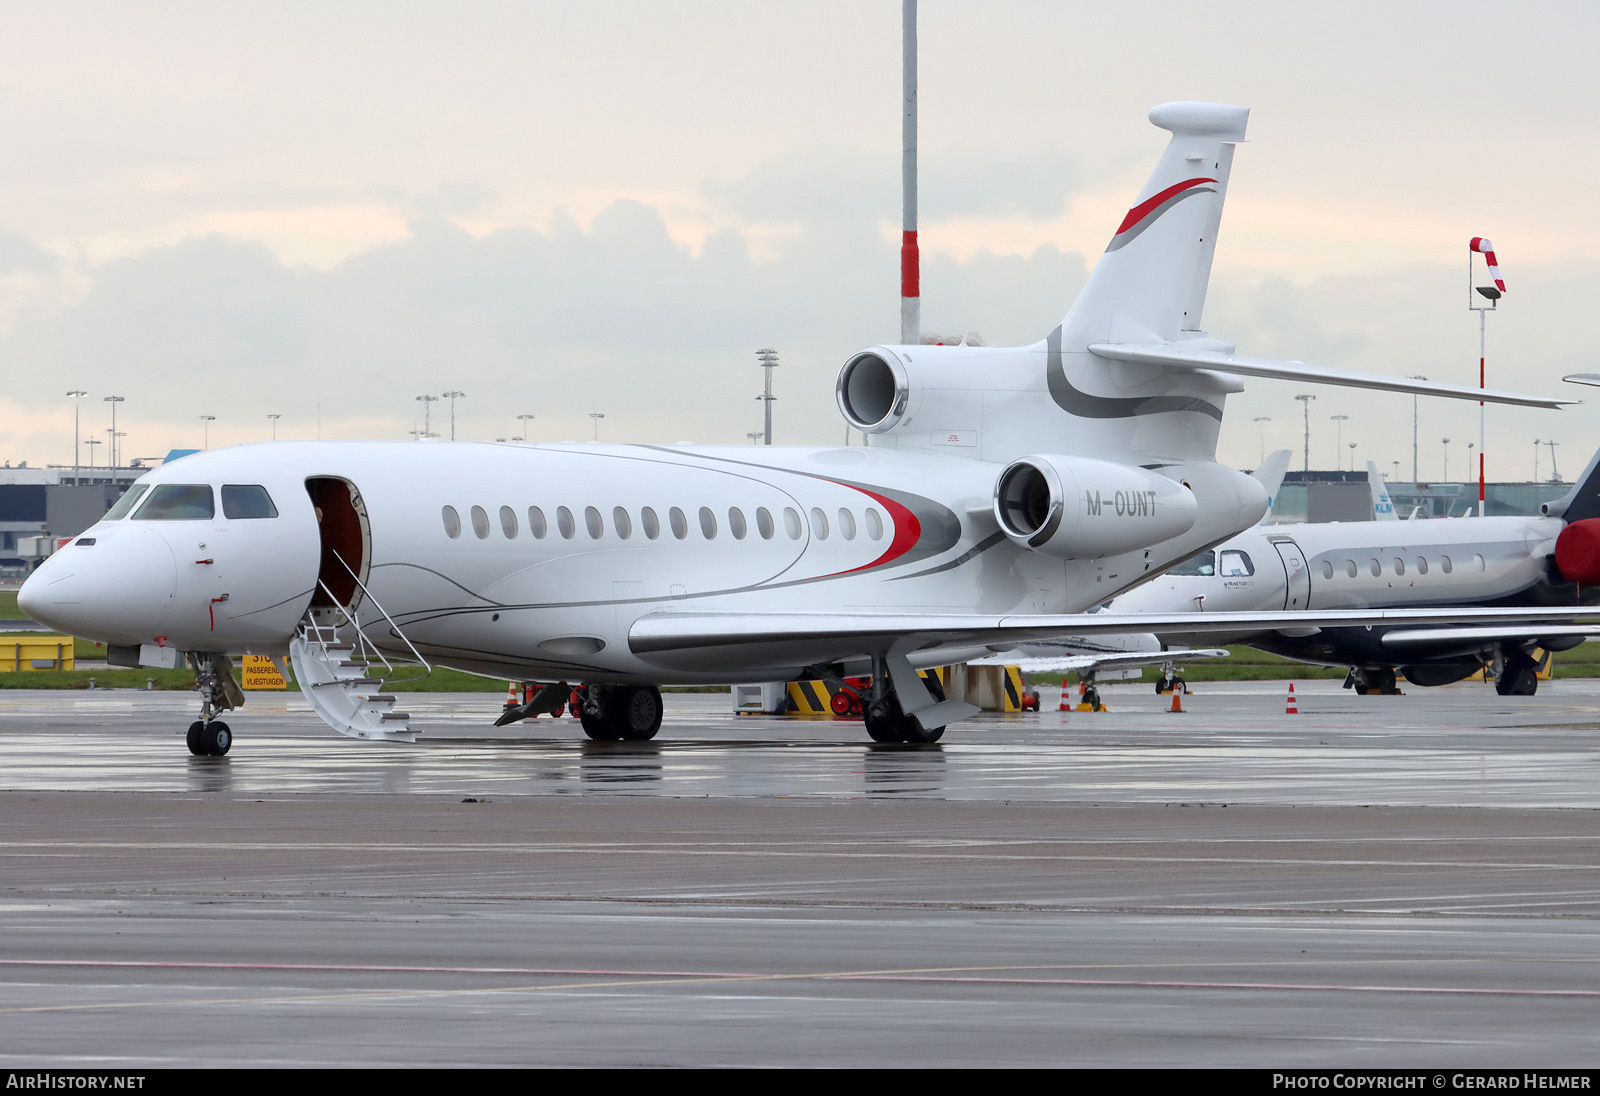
<point x="1583" y="501"/>
<point x="1270" y="476"/>
<point x="1151" y="282"/>
<point x="1382" y="506"/>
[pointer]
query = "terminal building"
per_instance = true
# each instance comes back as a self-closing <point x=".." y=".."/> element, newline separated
<point x="41" y="506"/>
<point x="1346" y="496"/>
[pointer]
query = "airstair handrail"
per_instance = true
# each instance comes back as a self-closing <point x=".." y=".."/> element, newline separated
<point x="354" y="623"/>
<point x="404" y="638"/>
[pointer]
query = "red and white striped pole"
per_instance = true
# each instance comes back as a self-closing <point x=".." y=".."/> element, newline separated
<point x="1483" y="247"/>
<point x="910" y="288"/>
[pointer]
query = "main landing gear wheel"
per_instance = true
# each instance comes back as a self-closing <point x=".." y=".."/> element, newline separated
<point x="885" y="721"/>
<point x="629" y="713"/>
<point x="1517" y="681"/>
<point x="211" y="739"/>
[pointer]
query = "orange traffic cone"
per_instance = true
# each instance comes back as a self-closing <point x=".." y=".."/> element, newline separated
<point x="1066" y="702"/>
<point x="1177" y="703"/>
<point x="1291" y="708"/>
<point x="511" y="694"/>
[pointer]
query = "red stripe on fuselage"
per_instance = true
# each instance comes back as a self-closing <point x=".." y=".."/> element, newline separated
<point x="1142" y="210"/>
<point x="907" y="531"/>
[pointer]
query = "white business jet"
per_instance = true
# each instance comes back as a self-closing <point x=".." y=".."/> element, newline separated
<point x="1547" y="559"/>
<point x="1005" y="491"/>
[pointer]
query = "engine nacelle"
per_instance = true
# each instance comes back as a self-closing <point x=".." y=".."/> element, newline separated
<point x="873" y="390"/>
<point x="1578" y="552"/>
<point x="1078" y="507"/>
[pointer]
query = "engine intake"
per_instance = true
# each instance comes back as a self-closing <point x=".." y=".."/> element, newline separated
<point x="873" y="390"/>
<point x="1081" y="508"/>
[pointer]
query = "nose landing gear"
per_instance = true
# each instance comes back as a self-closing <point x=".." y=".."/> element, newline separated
<point x="213" y="676"/>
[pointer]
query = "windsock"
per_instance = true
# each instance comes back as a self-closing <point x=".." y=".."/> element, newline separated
<point x="1486" y="249"/>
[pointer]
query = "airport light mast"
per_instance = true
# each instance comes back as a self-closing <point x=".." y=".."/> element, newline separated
<point x="1258" y="420"/>
<point x="273" y="418"/>
<point x="113" y="401"/>
<point x="1492" y="294"/>
<point x="205" y="425"/>
<point x="1305" y="399"/>
<point x="453" y="396"/>
<point x="1415" y="475"/>
<point x="1338" y="440"/>
<point x="76" y="396"/>
<point x="427" y="406"/>
<point x="767" y="358"/>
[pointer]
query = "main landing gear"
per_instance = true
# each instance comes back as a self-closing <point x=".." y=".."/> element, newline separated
<point x="612" y="713"/>
<point x="887" y="721"/>
<point x="1519" y="676"/>
<point x="213" y="676"/>
<point x="1372" y="681"/>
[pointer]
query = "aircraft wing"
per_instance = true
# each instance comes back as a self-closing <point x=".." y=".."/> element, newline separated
<point x="1086" y="663"/>
<point x="1179" y="356"/>
<point x="1400" y="639"/>
<point x="701" y="640"/>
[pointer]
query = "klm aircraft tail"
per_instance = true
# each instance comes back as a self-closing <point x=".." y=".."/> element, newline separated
<point x="1382" y="507"/>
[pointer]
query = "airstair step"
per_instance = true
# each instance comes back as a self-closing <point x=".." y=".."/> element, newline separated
<point x="395" y="717"/>
<point x="380" y="698"/>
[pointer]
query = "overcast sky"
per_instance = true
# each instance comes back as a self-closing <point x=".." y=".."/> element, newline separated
<point x="330" y="208"/>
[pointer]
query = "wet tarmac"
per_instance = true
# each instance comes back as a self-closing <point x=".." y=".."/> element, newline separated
<point x="1376" y="881"/>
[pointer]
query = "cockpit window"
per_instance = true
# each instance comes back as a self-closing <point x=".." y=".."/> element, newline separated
<point x="178" y="502"/>
<point x="1204" y="564"/>
<point x="127" y="502"/>
<point x="1236" y="564"/>
<point x="247" y="500"/>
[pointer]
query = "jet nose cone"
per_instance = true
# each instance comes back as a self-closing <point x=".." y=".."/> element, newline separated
<point x="118" y="589"/>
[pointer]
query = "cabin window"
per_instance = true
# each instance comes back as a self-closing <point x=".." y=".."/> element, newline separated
<point x="126" y="502"/>
<point x="736" y="523"/>
<point x="1422" y="565"/>
<point x="508" y="522"/>
<point x="178" y="502"/>
<point x="764" y="524"/>
<point x="874" y="524"/>
<point x="621" y="522"/>
<point x="1399" y="566"/>
<point x="680" y="524"/>
<point x="480" y="523"/>
<point x="1445" y="565"/>
<point x="452" y="522"/>
<point x="1376" y="568"/>
<point x="791" y="522"/>
<point x="1236" y="565"/>
<point x="1327" y="569"/>
<point x="847" y="524"/>
<point x="1201" y="565"/>
<point x="242" y="500"/>
<point x="536" y="523"/>
<point x="592" y="522"/>
<point x="650" y="523"/>
<point x="1350" y="567"/>
<point x="708" y="523"/>
<point x="819" y="523"/>
<point x="564" y="523"/>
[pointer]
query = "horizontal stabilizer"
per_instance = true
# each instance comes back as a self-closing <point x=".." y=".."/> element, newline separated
<point x="1178" y="356"/>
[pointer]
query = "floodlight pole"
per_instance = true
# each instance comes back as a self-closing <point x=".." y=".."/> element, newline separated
<point x="77" y="395"/>
<point x="1338" y="441"/>
<point x="1305" y="399"/>
<point x="453" y="396"/>
<point x="767" y="358"/>
<point x="1263" y="419"/>
<point x="113" y="401"/>
<point x="1414" y="472"/>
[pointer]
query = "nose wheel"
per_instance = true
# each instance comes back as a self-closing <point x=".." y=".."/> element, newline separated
<point x="209" y="739"/>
